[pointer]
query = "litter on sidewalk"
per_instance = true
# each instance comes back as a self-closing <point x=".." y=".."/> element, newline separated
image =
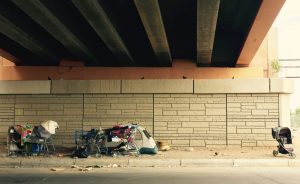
<point x="163" y="146"/>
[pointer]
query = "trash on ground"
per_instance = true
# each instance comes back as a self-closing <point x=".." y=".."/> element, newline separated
<point x="57" y="169"/>
<point x="75" y="166"/>
<point x="190" y="149"/>
<point x="97" y="166"/>
<point x="162" y="146"/>
<point x="86" y="169"/>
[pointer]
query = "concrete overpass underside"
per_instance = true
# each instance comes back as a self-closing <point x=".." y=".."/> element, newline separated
<point x="137" y="33"/>
<point x="161" y="63"/>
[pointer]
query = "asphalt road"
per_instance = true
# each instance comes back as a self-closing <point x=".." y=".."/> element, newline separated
<point x="230" y="175"/>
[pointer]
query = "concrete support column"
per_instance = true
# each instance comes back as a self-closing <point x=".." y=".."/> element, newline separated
<point x="284" y="110"/>
<point x="284" y="87"/>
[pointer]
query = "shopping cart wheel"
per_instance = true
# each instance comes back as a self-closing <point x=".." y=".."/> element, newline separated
<point x="292" y="155"/>
<point x="275" y="153"/>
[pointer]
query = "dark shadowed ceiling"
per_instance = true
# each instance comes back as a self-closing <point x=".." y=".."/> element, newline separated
<point x="126" y="32"/>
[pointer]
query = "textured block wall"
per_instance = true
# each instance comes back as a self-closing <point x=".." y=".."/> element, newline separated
<point x="197" y="120"/>
<point x="67" y="110"/>
<point x="75" y="112"/>
<point x="190" y="119"/>
<point x="250" y="118"/>
<point x="7" y="112"/>
<point x="106" y="110"/>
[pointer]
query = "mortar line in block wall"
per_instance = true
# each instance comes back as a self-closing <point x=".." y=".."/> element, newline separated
<point x="278" y="102"/>
<point x="121" y="82"/>
<point x="15" y="109"/>
<point x="83" y="108"/>
<point x="153" y="115"/>
<point x="193" y="86"/>
<point x="50" y="86"/>
<point x="226" y="120"/>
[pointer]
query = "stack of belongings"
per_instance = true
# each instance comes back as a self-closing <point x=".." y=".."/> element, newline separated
<point x="32" y="140"/>
<point x="129" y="138"/>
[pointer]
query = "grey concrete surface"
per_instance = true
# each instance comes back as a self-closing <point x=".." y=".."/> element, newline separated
<point x="85" y="86"/>
<point x="231" y="86"/>
<point x="224" y="175"/>
<point x="25" y="87"/>
<point x="157" y="86"/>
<point x="66" y="162"/>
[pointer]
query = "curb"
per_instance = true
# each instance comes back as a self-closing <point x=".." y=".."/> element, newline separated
<point x="137" y="162"/>
<point x="154" y="163"/>
<point x="207" y="162"/>
<point x="260" y="163"/>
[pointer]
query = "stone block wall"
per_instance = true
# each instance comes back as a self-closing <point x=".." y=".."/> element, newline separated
<point x="67" y="110"/>
<point x="75" y="112"/>
<point x="7" y="112"/>
<point x="106" y="110"/>
<point x="197" y="120"/>
<point x="250" y="118"/>
<point x="190" y="119"/>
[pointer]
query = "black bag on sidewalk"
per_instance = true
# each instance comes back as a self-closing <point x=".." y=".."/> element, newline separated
<point x="81" y="152"/>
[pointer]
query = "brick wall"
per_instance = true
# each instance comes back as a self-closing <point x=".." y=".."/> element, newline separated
<point x="190" y="119"/>
<point x="195" y="120"/>
<point x="250" y="118"/>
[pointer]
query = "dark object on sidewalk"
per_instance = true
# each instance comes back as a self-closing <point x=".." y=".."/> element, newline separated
<point x="163" y="146"/>
<point x="81" y="152"/>
<point x="283" y="136"/>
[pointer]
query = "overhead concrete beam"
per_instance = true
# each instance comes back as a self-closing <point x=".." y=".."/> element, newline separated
<point x="85" y="86"/>
<point x="25" y="87"/>
<point x="157" y="86"/>
<point x="25" y="40"/>
<point x="100" y="22"/>
<point x="266" y="15"/>
<point x="44" y="17"/>
<point x="152" y="20"/>
<point x="9" y="56"/>
<point x="207" y="16"/>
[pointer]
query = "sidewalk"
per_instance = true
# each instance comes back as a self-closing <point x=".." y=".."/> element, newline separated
<point x="205" y="157"/>
<point x="142" y="161"/>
